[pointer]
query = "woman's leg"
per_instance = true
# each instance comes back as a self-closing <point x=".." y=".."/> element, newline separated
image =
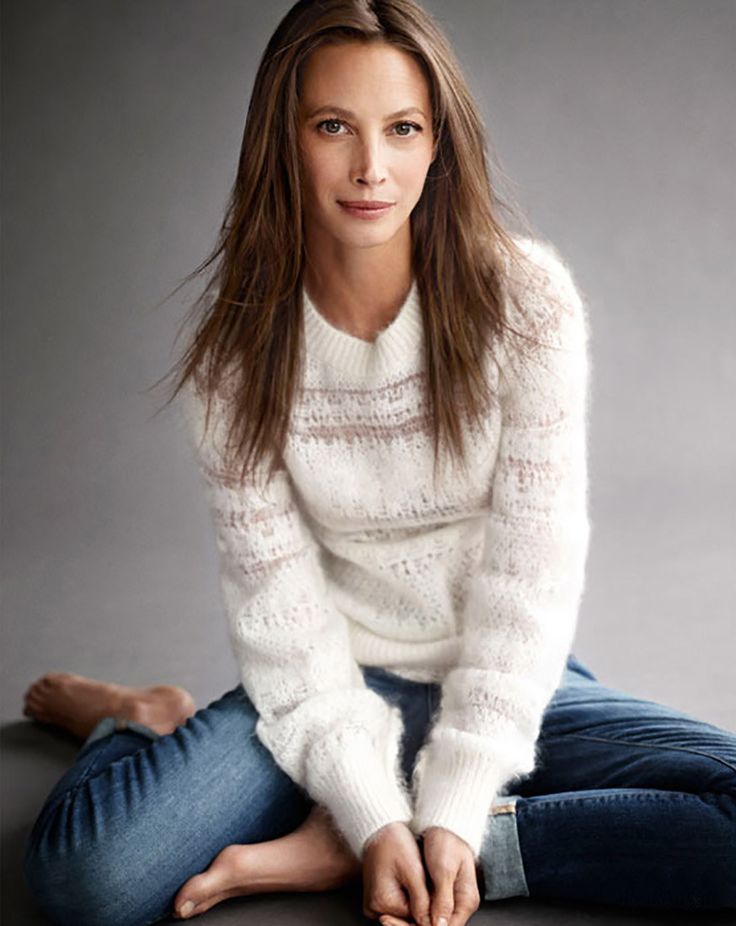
<point x="139" y="813"/>
<point x="318" y="837"/>
<point x="631" y="803"/>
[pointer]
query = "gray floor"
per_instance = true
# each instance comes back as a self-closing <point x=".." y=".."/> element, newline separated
<point x="655" y="620"/>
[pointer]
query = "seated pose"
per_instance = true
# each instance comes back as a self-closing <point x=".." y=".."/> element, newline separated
<point x="387" y="395"/>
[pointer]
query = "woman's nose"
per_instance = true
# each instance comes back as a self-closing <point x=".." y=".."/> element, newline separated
<point x="370" y="162"/>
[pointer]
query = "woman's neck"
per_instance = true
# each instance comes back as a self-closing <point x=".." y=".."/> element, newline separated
<point x="359" y="291"/>
<point x="364" y="317"/>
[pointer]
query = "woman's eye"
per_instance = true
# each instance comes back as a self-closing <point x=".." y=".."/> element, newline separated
<point x="329" y="122"/>
<point x="338" y="123"/>
<point x="411" y="125"/>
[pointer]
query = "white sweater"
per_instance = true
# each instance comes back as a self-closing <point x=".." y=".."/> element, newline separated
<point x="352" y="558"/>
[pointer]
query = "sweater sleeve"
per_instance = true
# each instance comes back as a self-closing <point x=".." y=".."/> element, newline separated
<point x="520" y="615"/>
<point x="332" y="735"/>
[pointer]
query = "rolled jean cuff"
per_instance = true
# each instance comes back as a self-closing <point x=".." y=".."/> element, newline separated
<point x="500" y="855"/>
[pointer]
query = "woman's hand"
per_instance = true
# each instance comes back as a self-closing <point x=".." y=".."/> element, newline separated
<point x="451" y="866"/>
<point x="393" y="869"/>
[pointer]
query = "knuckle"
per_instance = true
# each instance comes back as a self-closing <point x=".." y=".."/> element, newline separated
<point x="468" y="905"/>
<point x="382" y="900"/>
<point x="443" y="868"/>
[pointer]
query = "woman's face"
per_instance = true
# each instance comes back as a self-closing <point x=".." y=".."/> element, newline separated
<point x="365" y="134"/>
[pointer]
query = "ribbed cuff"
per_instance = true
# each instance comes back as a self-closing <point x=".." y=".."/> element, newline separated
<point x="361" y="786"/>
<point x="455" y="790"/>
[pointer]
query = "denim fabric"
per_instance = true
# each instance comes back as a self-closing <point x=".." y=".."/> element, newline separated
<point x="631" y="803"/>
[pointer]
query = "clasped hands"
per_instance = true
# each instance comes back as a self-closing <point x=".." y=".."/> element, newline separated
<point x="395" y="889"/>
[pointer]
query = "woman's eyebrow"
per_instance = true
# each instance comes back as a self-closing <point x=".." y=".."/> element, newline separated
<point x="347" y="114"/>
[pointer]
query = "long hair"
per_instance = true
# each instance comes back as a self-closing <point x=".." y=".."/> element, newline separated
<point x="250" y="312"/>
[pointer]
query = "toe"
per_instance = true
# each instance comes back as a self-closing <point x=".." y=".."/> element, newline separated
<point x="185" y="909"/>
<point x="197" y="890"/>
<point x="217" y="883"/>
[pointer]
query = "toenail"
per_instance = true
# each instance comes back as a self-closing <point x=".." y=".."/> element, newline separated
<point x="186" y="908"/>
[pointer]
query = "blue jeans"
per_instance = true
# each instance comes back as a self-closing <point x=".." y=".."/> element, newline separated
<point x="631" y="803"/>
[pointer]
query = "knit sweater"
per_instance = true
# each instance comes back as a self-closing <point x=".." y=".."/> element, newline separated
<point x="354" y="557"/>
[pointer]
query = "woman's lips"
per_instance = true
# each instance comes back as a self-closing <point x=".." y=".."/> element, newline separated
<point x="366" y="210"/>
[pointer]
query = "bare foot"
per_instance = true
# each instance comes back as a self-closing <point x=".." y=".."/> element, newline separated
<point x="312" y="858"/>
<point x="77" y="703"/>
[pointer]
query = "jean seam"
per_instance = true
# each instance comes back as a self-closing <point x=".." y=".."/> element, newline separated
<point x="643" y="745"/>
<point x="618" y="794"/>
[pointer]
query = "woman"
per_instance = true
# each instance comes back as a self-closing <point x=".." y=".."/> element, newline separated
<point x="387" y="394"/>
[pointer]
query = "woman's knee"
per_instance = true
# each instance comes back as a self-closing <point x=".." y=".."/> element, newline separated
<point x="79" y="882"/>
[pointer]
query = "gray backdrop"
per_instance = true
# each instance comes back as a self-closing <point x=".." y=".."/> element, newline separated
<point x="122" y="123"/>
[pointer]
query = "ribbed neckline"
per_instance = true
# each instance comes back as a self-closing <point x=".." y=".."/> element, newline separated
<point x="397" y="346"/>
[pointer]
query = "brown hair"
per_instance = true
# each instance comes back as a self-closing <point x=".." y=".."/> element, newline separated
<point x="251" y="308"/>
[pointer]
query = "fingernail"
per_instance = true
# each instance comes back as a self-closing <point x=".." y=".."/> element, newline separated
<point x="442" y="921"/>
<point x="186" y="908"/>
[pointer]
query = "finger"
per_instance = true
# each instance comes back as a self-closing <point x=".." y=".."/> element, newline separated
<point x="387" y="920"/>
<point x="461" y="915"/>
<point x="388" y="899"/>
<point x="443" y="900"/>
<point x="467" y="899"/>
<point x="419" y="899"/>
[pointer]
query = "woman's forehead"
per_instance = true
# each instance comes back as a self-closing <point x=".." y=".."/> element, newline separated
<point x="382" y="80"/>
